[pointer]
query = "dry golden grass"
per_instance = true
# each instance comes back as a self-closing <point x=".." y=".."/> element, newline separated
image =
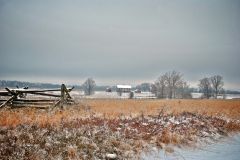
<point x="13" y="118"/>
<point x="102" y="123"/>
<point x="215" y="107"/>
<point x="118" y="108"/>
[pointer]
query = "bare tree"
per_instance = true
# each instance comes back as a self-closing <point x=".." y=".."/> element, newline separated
<point x="172" y="78"/>
<point x="88" y="86"/>
<point x="139" y="87"/>
<point x="160" y="87"/>
<point x="217" y="84"/>
<point x="205" y="86"/>
<point x="145" y="86"/>
<point x="183" y="90"/>
<point x="154" y="89"/>
<point x="171" y="85"/>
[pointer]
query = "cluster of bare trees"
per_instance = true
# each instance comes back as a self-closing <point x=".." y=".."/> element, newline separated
<point x="171" y="85"/>
<point x="144" y="86"/>
<point x="212" y="86"/>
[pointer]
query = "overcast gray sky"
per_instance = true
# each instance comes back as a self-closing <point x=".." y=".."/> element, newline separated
<point x="119" y="41"/>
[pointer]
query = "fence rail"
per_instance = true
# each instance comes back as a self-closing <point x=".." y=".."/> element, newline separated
<point x="18" y="97"/>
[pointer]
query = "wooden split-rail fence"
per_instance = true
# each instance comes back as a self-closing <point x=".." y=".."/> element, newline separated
<point x="18" y="97"/>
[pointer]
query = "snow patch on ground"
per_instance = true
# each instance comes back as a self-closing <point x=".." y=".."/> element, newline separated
<point x="227" y="149"/>
<point x="143" y="95"/>
<point x="111" y="156"/>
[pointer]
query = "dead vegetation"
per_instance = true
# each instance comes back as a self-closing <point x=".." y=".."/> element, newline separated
<point x="114" y="129"/>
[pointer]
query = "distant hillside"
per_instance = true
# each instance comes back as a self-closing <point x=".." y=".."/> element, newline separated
<point x="7" y="83"/>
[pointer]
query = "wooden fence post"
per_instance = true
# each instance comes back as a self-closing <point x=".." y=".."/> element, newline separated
<point x="62" y="97"/>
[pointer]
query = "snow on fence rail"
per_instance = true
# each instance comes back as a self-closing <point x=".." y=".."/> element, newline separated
<point x="18" y="97"/>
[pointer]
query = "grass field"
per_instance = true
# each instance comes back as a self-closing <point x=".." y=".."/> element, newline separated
<point x="114" y="129"/>
<point x="214" y="107"/>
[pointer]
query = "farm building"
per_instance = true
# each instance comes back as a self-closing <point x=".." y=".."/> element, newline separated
<point x="137" y="91"/>
<point x="123" y="88"/>
<point x="109" y="89"/>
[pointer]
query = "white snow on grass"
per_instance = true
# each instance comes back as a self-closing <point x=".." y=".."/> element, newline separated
<point x="143" y="95"/>
<point x="227" y="149"/>
<point x="104" y="94"/>
<point x="111" y="156"/>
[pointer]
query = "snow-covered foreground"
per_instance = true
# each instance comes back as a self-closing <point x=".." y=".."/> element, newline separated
<point x="97" y="137"/>
<point x="143" y="95"/>
<point x="227" y="149"/>
<point x="118" y="129"/>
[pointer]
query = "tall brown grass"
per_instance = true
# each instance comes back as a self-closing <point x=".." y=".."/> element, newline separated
<point x="214" y="107"/>
<point x="118" y="108"/>
<point x="95" y="128"/>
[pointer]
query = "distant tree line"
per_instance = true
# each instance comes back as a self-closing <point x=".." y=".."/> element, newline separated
<point x="159" y="87"/>
<point x="6" y="83"/>
<point x="232" y="92"/>
<point x="191" y="89"/>
<point x="172" y="85"/>
<point x="197" y="90"/>
<point x="143" y="87"/>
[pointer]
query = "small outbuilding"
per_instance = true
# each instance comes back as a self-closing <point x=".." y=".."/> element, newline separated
<point x="137" y="91"/>
<point x="109" y="89"/>
<point x="123" y="88"/>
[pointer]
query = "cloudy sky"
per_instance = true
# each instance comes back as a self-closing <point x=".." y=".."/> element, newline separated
<point x="119" y="41"/>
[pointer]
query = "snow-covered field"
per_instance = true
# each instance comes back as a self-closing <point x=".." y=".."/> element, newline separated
<point x="112" y="95"/>
<point x="143" y="95"/>
<point x="226" y="149"/>
<point x="228" y="96"/>
<point x="232" y="96"/>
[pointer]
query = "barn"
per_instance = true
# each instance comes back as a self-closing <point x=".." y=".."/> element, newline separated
<point x="123" y="88"/>
<point x="109" y="89"/>
<point x="137" y="91"/>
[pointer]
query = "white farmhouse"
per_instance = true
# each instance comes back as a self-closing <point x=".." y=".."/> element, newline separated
<point x="123" y="88"/>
